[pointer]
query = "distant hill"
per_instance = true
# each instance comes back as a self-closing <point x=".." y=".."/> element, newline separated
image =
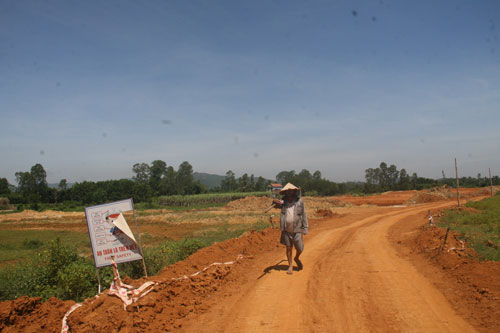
<point x="207" y="179"/>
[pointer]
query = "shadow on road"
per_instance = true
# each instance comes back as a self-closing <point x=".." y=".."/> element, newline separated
<point x="276" y="267"/>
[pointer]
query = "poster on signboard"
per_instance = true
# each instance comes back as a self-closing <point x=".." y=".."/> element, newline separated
<point x="110" y="234"/>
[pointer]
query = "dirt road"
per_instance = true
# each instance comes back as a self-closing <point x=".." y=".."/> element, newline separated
<point x="366" y="269"/>
<point x="352" y="281"/>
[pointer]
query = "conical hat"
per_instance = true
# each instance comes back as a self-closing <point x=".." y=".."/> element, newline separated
<point x="289" y="187"/>
<point x="121" y="224"/>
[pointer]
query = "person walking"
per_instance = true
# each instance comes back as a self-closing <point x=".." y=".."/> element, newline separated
<point x="293" y="223"/>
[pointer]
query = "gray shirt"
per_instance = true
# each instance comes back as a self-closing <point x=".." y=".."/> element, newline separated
<point x="299" y="217"/>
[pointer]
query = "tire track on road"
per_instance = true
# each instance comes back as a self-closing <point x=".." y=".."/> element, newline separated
<point x="352" y="281"/>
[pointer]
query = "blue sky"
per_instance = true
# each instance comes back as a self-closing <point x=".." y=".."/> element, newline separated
<point x="89" y="88"/>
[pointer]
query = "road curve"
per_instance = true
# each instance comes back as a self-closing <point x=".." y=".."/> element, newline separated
<point x="353" y="281"/>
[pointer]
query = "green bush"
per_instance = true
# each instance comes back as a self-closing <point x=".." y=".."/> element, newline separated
<point x="35" y="206"/>
<point x="55" y="271"/>
<point x="59" y="271"/>
<point x="32" y="244"/>
<point x="77" y="280"/>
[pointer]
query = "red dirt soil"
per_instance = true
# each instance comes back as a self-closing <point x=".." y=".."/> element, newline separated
<point x="471" y="287"/>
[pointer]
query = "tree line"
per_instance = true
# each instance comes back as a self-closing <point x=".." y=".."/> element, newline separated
<point x="159" y="179"/>
<point x="149" y="181"/>
<point x="310" y="184"/>
<point x="389" y="178"/>
<point x="244" y="183"/>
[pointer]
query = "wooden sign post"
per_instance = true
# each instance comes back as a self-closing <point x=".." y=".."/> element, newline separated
<point x="458" y="185"/>
<point x="491" y="183"/>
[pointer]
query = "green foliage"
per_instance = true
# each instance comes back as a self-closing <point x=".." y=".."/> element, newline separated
<point x="59" y="271"/>
<point x="229" y="184"/>
<point x="77" y="280"/>
<point x="33" y="184"/>
<point x="386" y="178"/>
<point x="21" y="245"/>
<point x="243" y="184"/>
<point x="310" y="184"/>
<point x="4" y="186"/>
<point x="481" y="229"/>
<point x="180" y="250"/>
<point x="31" y="244"/>
<point x="142" y="172"/>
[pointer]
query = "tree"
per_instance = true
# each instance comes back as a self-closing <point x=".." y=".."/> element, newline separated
<point x="414" y="179"/>
<point x="383" y="176"/>
<point x="167" y="184"/>
<point x="184" y="179"/>
<point x="4" y="186"/>
<point x="261" y="184"/>
<point x="404" y="180"/>
<point x="303" y="179"/>
<point x="142" y="172"/>
<point x="156" y="172"/>
<point x="243" y="183"/>
<point x="63" y="185"/>
<point x="26" y="184"/>
<point x="372" y="180"/>
<point x="392" y="176"/>
<point x="251" y="183"/>
<point x="229" y="183"/>
<point x="141" y="192"/>
<point x="40" y="177"/>
<point x="285" y="177"/>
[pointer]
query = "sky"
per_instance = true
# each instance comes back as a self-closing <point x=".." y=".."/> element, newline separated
<point x="90" y="88"/>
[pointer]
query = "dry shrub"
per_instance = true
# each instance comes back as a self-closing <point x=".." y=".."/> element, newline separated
<point x="431" y="195"/>
<point x="4" y="203"/>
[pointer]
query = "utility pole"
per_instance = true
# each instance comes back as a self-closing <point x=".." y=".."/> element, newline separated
<point x="491" y="183"/>
<point x="458" y="185"/>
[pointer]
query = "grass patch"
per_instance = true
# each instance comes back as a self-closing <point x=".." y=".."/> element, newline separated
<point x="20" y="245"/>
<point x="55" y="267"/>
<point x="481" y="228"/>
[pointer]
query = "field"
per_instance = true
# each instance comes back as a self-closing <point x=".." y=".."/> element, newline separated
<point x="359" y="249"/>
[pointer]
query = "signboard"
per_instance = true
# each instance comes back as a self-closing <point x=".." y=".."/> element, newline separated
<point x="110" y="234"/>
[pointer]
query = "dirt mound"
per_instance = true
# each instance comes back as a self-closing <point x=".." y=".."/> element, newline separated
<point x="471" y="285"/>
<point x="487" y="190"/>
<point x="325" y="213"/>
<point x="29" y="314"/>
<point x="323" y="203"/>
<point x="431" y="195"/>
<point x="45" y="215"/>
<point x="262" y="203"/>
<point x="390" y="198"/>
<point x="160" y="310"/>
<point x="249" y="203"/>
